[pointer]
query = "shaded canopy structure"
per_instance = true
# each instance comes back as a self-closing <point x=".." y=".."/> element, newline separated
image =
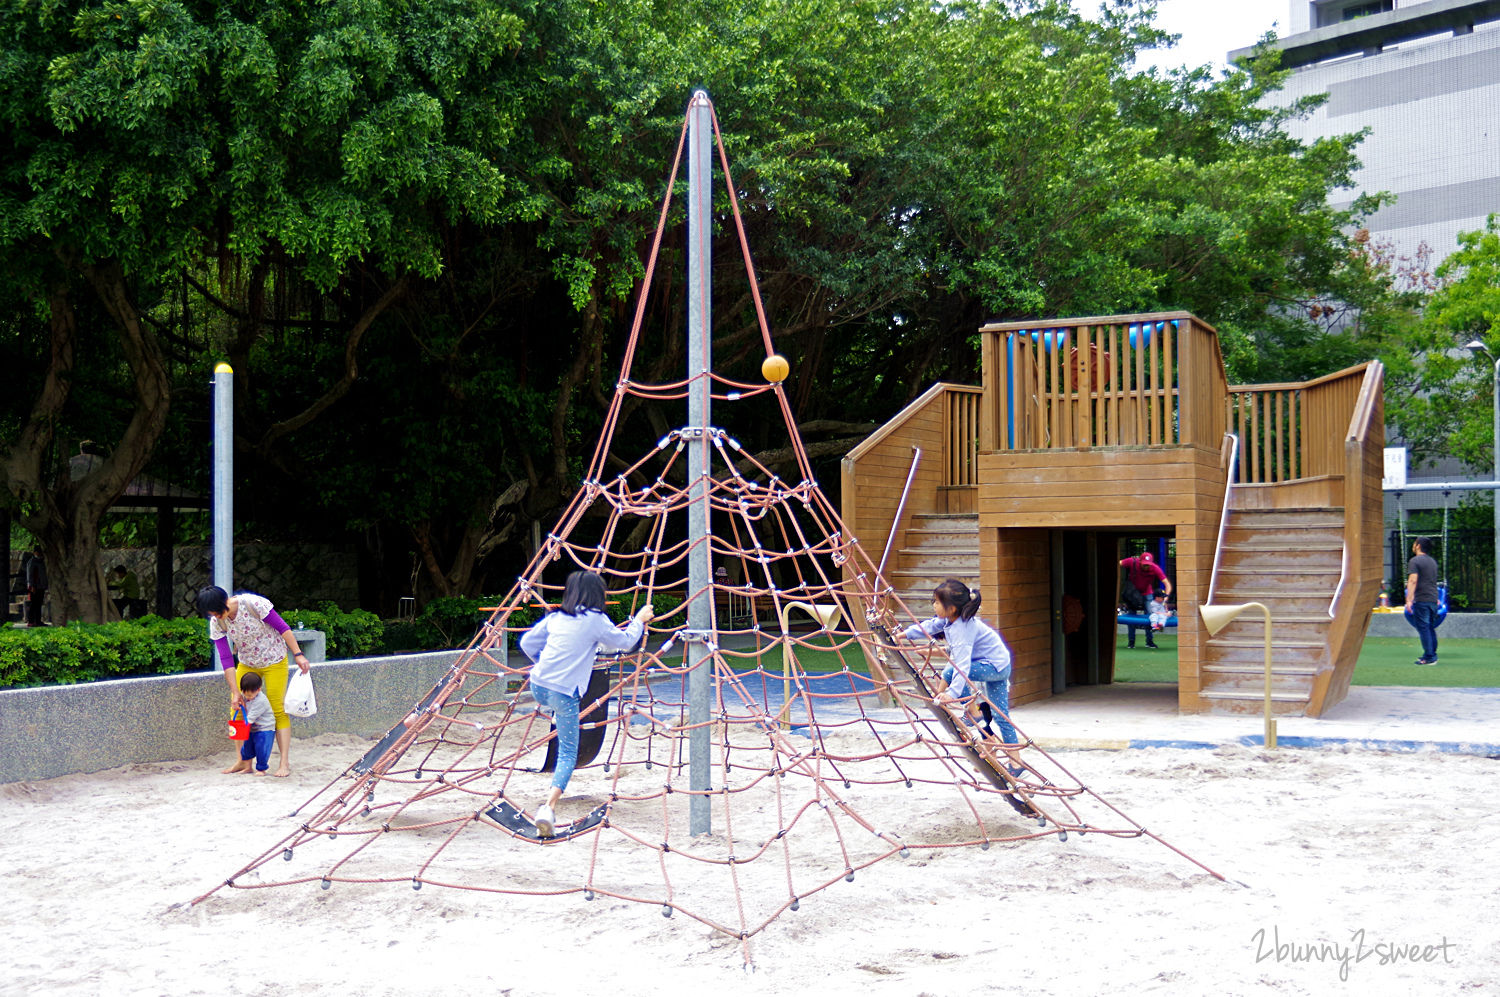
<point x="165" y="500"/>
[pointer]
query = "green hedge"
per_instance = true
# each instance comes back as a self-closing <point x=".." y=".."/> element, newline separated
<point x="82" y="652"/>
<point x="448" y="623"/>
<point x="452" y="622"/>
<point x="358" y="633"/>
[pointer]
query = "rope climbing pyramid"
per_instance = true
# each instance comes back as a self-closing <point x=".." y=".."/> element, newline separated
<point x="738" y="760"/>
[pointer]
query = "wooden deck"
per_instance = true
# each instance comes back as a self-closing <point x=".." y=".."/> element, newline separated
<point x="1088" y="431"/>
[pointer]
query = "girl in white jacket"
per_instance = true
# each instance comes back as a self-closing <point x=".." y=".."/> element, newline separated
<point x="562" y="646"/>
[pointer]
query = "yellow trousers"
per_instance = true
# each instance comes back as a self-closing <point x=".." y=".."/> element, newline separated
<point x="273" y="680"/>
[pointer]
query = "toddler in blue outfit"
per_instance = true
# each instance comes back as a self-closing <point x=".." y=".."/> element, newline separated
<point x="262" y="721"/>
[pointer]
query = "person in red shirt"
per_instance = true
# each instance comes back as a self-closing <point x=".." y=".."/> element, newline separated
<point x="1142" y="577"/>
<point x="1145" y="576"/>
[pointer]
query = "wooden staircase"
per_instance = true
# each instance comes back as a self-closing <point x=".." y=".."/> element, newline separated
<point x="1290" y="560"/>
<point x="1127" y="425"/>
<point x="936" y="546"/>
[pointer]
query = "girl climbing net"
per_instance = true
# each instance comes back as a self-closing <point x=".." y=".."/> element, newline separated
<point x="562" y="647"/>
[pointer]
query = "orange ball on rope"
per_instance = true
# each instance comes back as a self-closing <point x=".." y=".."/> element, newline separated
<point x="775" y="368"/>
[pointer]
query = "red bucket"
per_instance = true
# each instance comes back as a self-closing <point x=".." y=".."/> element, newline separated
<point x="238" y="730"/>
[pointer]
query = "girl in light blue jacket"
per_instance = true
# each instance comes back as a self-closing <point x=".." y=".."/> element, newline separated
<point x="562" y="647"/>
<point x="976" y="654"/>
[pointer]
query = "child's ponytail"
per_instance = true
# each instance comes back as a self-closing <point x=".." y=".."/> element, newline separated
<point x="971" y="608"/>
<point x="956" y="596"/>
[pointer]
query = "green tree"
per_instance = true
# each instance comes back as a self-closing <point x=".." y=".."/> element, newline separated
<point x="297" y="145"/>
<point x="1456" y="403"/>
<point x="418" y="231"/>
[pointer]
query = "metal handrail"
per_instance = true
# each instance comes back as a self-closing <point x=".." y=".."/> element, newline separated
<point x="1234" y="465"/>
<point x="900" y="508"/>
<point x="1339" y="589"/>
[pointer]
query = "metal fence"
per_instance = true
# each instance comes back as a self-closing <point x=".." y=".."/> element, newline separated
<point x="1466" y="560"/>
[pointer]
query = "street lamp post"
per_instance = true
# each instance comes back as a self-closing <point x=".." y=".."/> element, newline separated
<point x="1476" y="346"/>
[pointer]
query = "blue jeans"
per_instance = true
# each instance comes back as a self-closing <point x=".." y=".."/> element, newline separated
<point x="1131" y="628"/>
<point x="565" y="715"/>
<point x="1424" y="618"/>
<point x="258" y="746"/>
<point x="996" y="683"/>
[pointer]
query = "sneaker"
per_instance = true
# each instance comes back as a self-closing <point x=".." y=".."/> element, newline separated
<point x="1153" y="647"/>
<point x="546" y="821"/>
<point x="1425" y="661"/>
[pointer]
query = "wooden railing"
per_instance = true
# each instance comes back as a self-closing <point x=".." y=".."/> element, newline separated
<point x="962" y="451"/>
<point x="944" y="423"/>
<point x="1133" y="380"/>
<point x="1361" y="460"/>
<point x="1291" y="431"/>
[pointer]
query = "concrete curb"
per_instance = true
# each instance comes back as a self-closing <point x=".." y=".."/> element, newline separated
<point x="1483" y="749"/>
<point x="58" y="730"/>
<point x="1458" y="625"/>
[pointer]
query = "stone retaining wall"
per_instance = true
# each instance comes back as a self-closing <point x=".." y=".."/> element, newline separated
<point x="66" y="729"/>
<point x="1457" y="625"/>
<point x="293" y="576"/>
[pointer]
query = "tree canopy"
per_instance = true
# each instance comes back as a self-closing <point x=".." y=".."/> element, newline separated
<point x="1443" y="401"/>
<point x="417" y="232"/>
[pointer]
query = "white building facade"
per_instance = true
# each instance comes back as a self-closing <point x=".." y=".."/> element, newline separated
<point x="1424" y="78"/>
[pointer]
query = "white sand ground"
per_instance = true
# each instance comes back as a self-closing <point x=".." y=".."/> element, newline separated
<point x="1333" y="858"/>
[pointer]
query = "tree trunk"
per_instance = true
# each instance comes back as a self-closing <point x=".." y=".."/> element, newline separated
<point x="25" y="462"/>
<point x="456" y="578"/>
<point x="78" y="589"/>
<point x="64" y="513"/>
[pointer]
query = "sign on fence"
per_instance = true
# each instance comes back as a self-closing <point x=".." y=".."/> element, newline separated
<point x="1395" y="468"/>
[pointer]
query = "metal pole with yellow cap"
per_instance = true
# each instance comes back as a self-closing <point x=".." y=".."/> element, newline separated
<point x="223" y="451"/>
<point x="1216" y="618"/>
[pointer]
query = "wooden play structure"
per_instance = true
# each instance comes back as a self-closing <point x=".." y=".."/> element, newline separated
<point x="1089" y="430"/>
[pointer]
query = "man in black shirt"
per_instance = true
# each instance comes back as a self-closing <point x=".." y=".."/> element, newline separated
<point x="1422" y="597"/>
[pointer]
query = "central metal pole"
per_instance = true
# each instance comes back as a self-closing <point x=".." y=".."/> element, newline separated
<point x="700" y="362"/>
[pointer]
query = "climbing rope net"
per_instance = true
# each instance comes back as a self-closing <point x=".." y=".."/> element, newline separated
<point x="829" y="750"/>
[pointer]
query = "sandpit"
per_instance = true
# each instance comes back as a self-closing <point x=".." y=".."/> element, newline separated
<point x="1347" y="870"/>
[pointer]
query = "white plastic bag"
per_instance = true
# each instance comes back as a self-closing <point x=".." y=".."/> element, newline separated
<point x="300" y="700"/>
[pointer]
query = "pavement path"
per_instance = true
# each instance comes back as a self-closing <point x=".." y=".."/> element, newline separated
<point x="1143" y="715"/>
<point x="1382" y="718"/>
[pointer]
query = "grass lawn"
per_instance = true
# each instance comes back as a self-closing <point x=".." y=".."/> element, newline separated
<point x="1382" y="661"/>
<point x="810" y="658"/>
<point x="1388" y="661"/>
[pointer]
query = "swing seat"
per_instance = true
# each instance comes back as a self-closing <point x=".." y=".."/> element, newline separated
<point x="1442" y="611"/>
<point x="1141" y="620"/>
<point x="591" y="728"/>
